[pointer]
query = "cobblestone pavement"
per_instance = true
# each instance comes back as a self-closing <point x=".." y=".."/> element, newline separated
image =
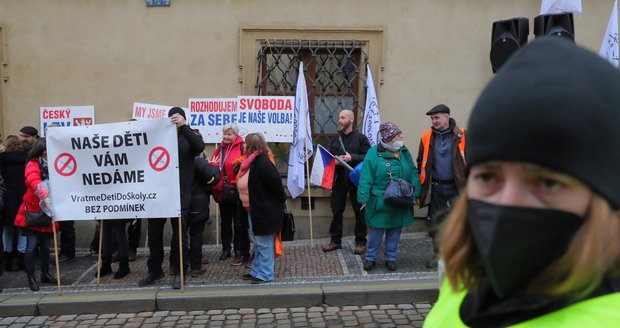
<point x="387" y="315"/>
<point x="301" y="262"/>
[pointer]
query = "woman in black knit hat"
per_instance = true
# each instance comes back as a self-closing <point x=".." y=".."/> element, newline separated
<point x="535" y="238"/>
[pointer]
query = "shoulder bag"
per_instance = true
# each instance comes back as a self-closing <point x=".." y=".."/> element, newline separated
<point x="288" y="226"/>
<point x="399" y="192"/>
<point x="230" y="194"/>
<point x="37" y="219"/>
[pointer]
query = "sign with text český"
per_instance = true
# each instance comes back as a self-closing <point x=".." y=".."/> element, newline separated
<point x="66" y="116"/>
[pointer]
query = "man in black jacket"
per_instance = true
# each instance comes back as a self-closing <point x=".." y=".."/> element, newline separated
<point x="190" y="144"/>
<point x="351" y="146"/>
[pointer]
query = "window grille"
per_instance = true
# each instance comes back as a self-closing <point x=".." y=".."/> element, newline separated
<point x="335" y="73"/>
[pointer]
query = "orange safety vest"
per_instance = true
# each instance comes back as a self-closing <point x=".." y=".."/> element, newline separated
<point x="426" y="141"/>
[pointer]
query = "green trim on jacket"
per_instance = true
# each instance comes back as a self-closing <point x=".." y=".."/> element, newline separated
<point x="602" y="311"/>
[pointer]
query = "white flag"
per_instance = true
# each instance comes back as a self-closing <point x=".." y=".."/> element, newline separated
<point x="301" y="148"/>
<point x="560" y="6"/>
<point x="372" y="119"/>
<point x="609" y="47"/>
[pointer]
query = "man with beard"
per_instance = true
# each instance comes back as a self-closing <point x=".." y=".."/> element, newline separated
<point x="441" y="162"/>
<point x="28" y="136"/>
<point x="351" y="147"/>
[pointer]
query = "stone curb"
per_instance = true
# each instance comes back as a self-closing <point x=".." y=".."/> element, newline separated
<point x="208" y="298"/>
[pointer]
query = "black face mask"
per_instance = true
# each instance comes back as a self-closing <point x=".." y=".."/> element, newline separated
<point x="517" y="243"/>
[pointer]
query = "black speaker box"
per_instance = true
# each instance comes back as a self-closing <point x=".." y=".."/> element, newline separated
<point x="506" y="38"/>
<point x="561" y="25"/>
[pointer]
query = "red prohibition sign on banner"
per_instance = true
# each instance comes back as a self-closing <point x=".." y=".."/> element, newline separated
<point x="65" y="164"/>
<point x="159" y="158"/>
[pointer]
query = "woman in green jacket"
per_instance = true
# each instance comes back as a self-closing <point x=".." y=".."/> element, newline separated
<point x="534" y="239"/>
<point x="389" y="156"/>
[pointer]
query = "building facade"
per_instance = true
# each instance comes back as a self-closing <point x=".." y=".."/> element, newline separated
<point x="110" y="54"/>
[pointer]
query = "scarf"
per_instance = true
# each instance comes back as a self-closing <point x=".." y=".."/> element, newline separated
<point x="245" y="165"/>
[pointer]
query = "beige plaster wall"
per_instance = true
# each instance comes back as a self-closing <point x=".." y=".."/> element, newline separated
<point x="114" y="52"/>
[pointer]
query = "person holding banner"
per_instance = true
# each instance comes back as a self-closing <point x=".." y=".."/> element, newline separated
<point x="262" y="196"/>
<point x="37" y="238"/>
<point x="351" y="147"/>
<point x="388" y="159"/>
<point x="533" y="240"/>
<point x="190" y="144"/>
<point x="226" y="196"/>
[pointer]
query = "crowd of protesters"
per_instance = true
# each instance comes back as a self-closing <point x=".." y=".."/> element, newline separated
<point x="240" y="176"/>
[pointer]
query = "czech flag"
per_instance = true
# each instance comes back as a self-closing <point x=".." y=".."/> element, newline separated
<point x="323" y="168"/>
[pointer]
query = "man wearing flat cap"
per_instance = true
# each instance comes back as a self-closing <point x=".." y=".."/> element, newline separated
<point x="28" y="135"/>
<point x="441" y="162"/>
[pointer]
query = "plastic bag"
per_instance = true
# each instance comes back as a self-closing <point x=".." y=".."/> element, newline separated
<point x="46" y="204"/>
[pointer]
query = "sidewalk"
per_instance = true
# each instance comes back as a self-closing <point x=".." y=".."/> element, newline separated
<point x="305" y="276"/>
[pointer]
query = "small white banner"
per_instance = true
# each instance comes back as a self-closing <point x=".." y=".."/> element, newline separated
<point x="142" y="111"/>
<point x="66" y="116"/>
<point x="208" y="115"/>
<point x="114" y="171"/>
<point x="271" y="116"/>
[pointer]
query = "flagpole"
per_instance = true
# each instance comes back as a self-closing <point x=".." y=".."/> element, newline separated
<point x="308" y="183"/>
<point x="300" y="153"/>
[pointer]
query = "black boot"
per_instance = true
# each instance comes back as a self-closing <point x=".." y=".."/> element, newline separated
<point x="46" y="277"/>
<point x="8" y="261"/>
<point x="123" y="268"/>
<point x="20" y="261"/>
<point x="34" y="286"/>
<point x="106" y="266"/>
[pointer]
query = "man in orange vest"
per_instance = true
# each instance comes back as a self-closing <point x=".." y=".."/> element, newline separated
<point x="441" y="163"/>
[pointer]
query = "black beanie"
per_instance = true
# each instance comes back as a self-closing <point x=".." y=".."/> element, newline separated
<point x="177" y="110"/>
<point x="556" y="105"/>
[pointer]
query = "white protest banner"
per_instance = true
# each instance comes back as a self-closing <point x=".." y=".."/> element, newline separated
<point x="114" y="171"/>
<point x="208" y="115"/>
<point x="271" y="116"/>
<point x="372" y="118"/>
<point x="560" y="6"/>
<point x="66" y="116"/>
<point x="142" y="111"/>
<point x="609" y="47"/>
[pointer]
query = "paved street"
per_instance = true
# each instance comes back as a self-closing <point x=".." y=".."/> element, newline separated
<point x="387" y="315"/>
<point x="312" y="289"/>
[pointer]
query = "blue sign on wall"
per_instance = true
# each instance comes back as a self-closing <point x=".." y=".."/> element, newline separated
<point x="158" y="3"/>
